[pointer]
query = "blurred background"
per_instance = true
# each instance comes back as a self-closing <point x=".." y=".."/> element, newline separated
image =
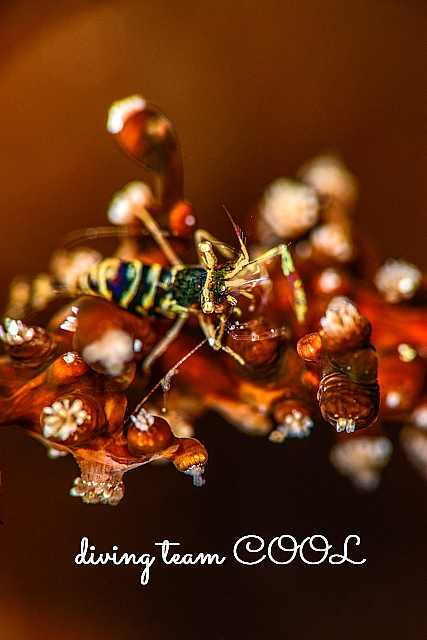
<point x="254" y="89"/>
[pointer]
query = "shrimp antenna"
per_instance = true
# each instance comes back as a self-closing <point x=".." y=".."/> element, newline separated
<point x="166" y="378"/>
<point x="93" y="233"/>
<point x="239" y="234"/>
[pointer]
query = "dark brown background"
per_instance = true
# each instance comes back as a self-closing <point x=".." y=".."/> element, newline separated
<point x="254" y="89"/>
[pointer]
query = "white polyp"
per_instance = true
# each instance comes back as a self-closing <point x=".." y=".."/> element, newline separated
<point x="345" y="424"/>
<point x="196" y="470"/>
<point x="54" y="454"/>
<point x="43" y="290"/>
<point x="15" y="332"/>
<point x="367" y="479"/>
<point x="298" y="424"/>
<point x="289" y="208"/>
<point x="190" y="220"/>
<point x="127" y="203"/>
<point x="19" y="296"/>
<point x="419" y="417"/>
<point x="67" y="266"/>
<point x="139" y="193"/>
<point x="121" y="110"/>
<point x="112" y="351"/>
<point x="341" y="318"/>
<point x="361" y="458"/>
<point x="99" y="483"/>
<point x="137" y="345"/>
<point x="70" y="324"/>
<point x="406" y="352"/>
<point x="295" y="425"/>
<point x="13" y="327"/>
<point x="406" y="286"/>
<point x="5" y="338"/>
<point x="63" y="418"/>
<point x="331" y="239"/>
<point x="393" y="399"/>
<point x="330" y="178"/>
<point x="329" y="280"/>
<point x="415" y="445"/>
<point x="397" y="280"/>
<point x="142" y="420"/>
<point x="120" y="210"/>
<point x="278" y="435"/>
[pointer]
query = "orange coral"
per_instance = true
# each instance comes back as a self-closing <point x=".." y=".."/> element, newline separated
<point x="96" y="383"/>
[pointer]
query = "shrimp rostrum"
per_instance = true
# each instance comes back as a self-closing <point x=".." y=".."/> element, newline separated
<point x="206" y="290"/>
